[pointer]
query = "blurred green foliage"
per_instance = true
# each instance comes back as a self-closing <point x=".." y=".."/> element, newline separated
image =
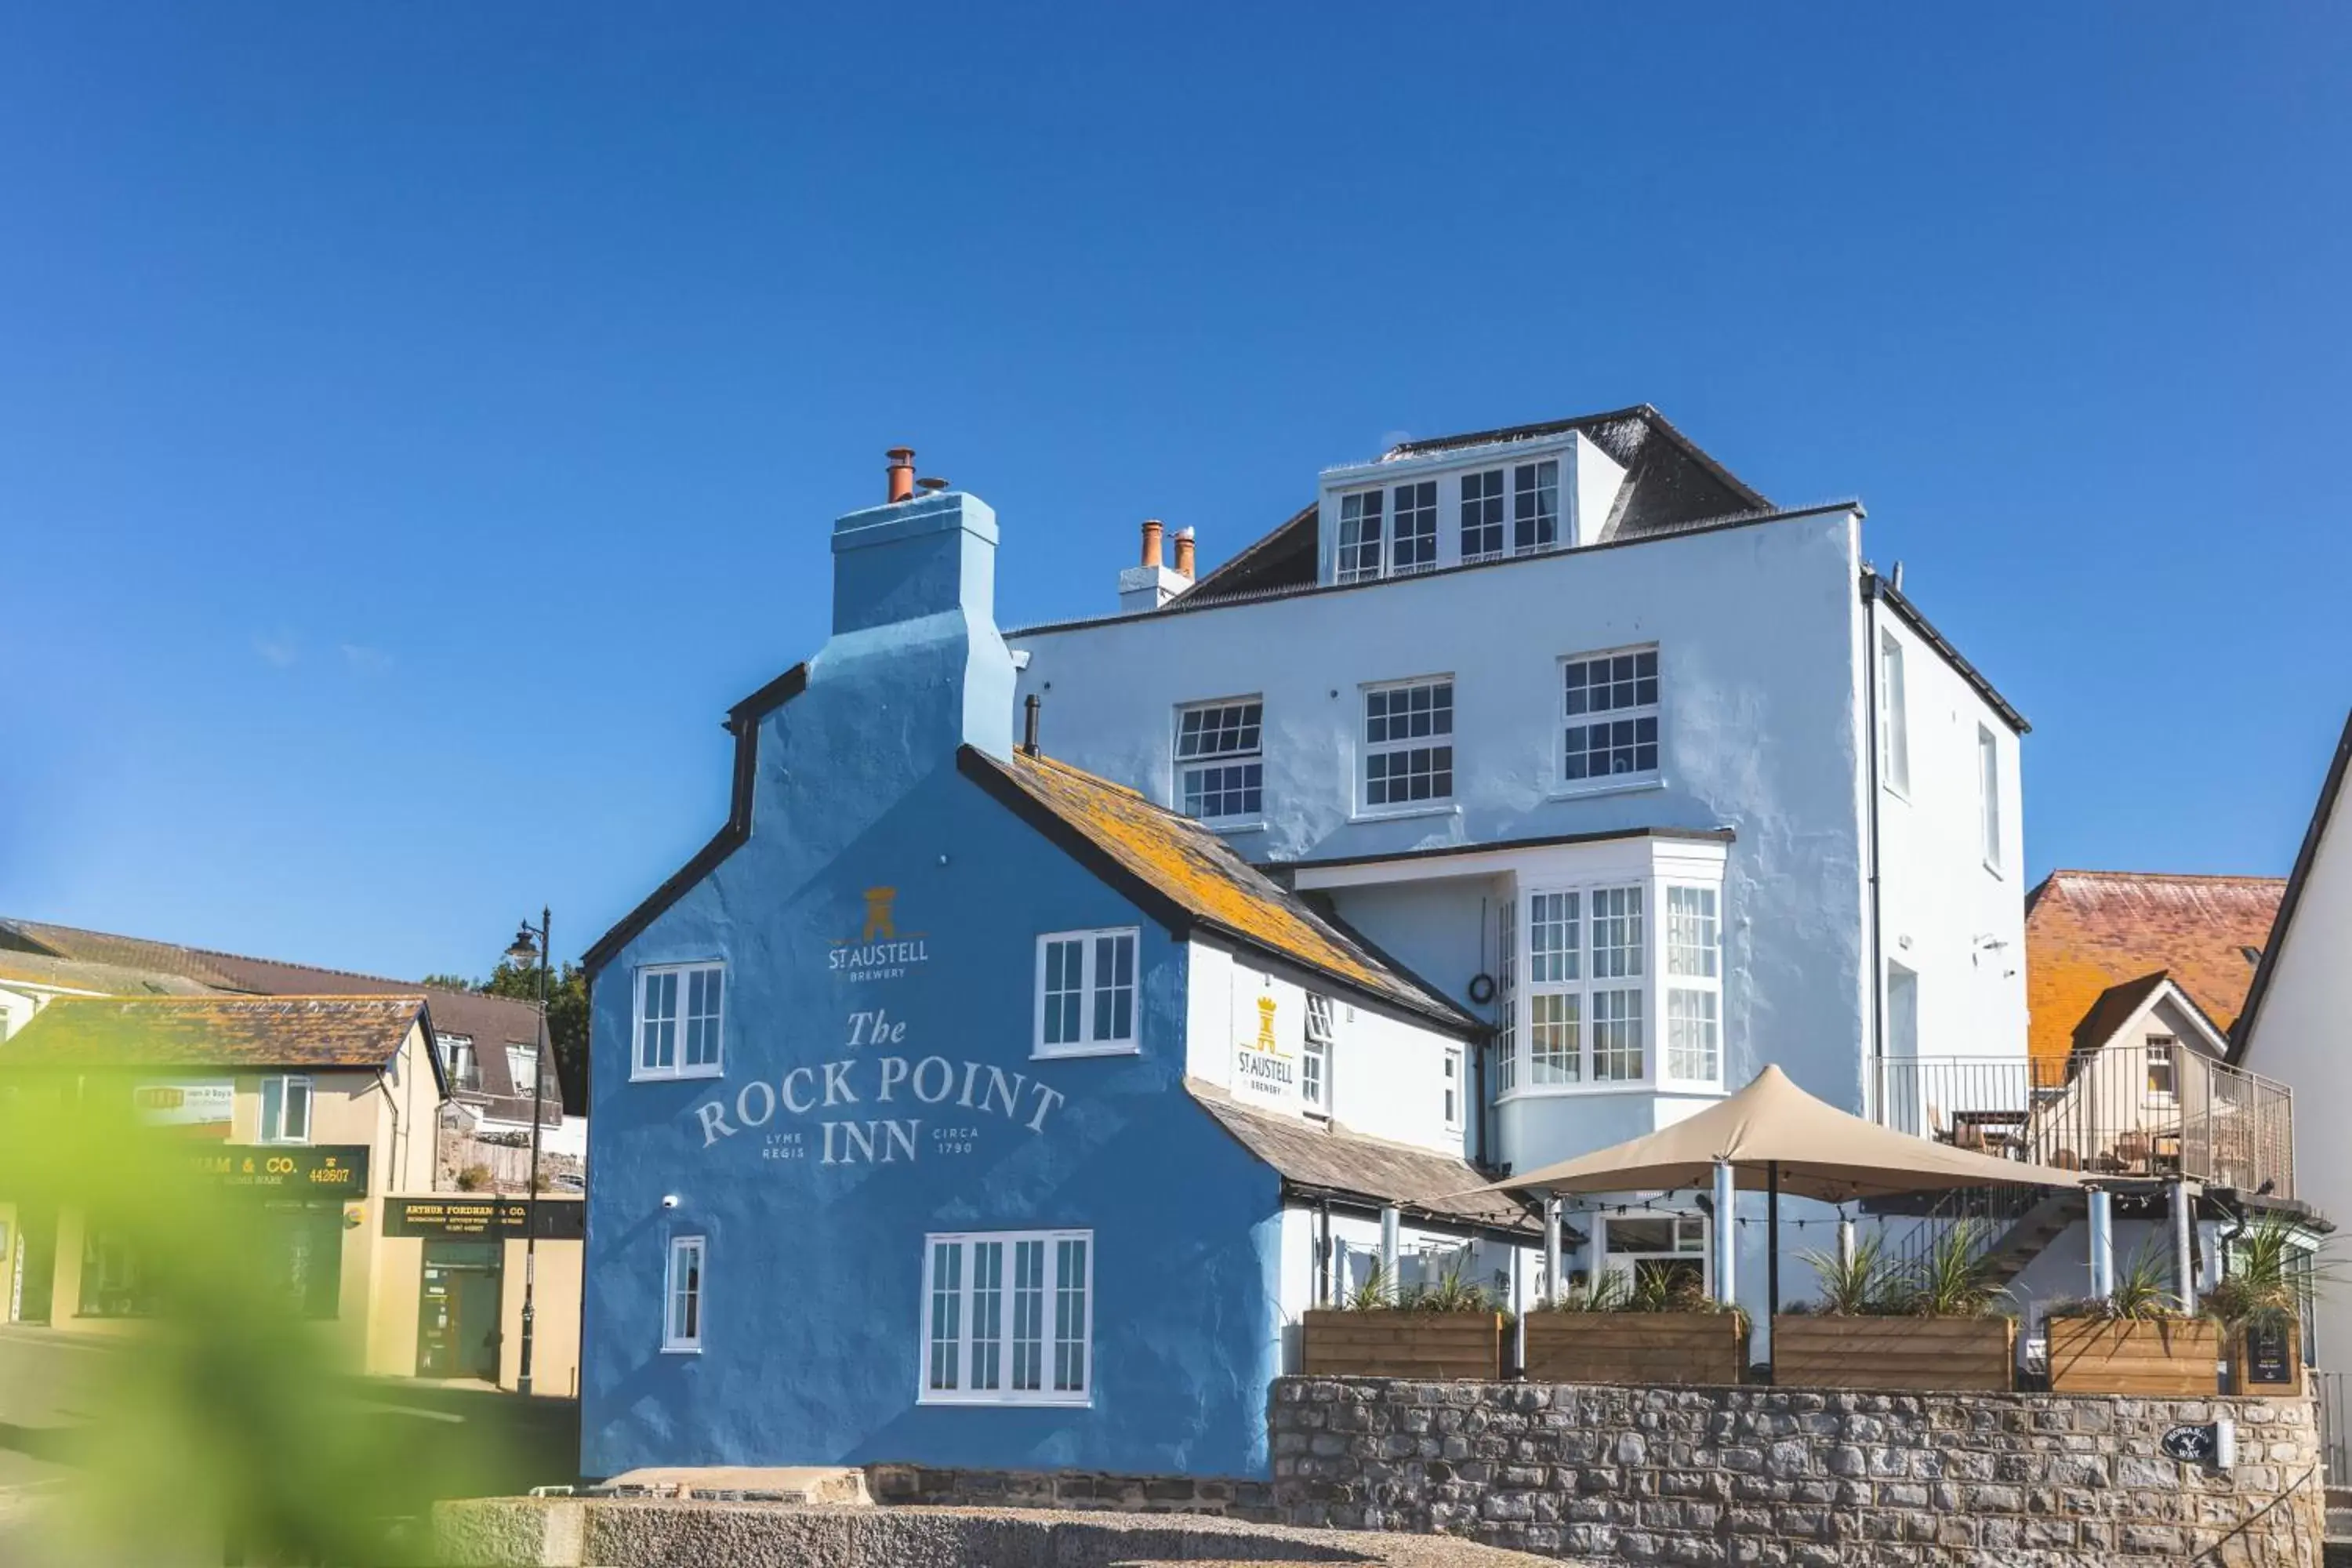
<point x="226" y="1427"/>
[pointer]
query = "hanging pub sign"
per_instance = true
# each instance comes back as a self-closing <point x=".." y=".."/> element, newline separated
<point x="327" y="1169"/>
<point x="461" y="1218"/>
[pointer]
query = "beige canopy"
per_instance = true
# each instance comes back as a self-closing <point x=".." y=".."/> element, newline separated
<point x="1820" y="1151"/>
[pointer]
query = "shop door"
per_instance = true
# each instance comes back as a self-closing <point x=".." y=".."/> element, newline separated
<point x="458" y="1310"/>
<point x="35" y="1270"/>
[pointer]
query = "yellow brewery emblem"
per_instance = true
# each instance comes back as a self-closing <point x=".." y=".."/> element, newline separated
<point x="1262" y="1066"/>
<point x="881" y="951"/>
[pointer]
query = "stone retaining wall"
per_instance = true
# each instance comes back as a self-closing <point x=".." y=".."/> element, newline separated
<point x="1788" y="1475"/>
<point x="1223" y="1498"/>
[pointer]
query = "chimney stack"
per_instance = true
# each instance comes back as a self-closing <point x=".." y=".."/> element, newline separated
<point x="1184" y="552"/>
<point x="1151" y="584"/>
<point x="1152" y="555"/>
<point x="902" y="473"/>
<point x="1029" y="707"/>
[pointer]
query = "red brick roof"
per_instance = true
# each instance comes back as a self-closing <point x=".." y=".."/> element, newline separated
<point x="2088" y="931"/>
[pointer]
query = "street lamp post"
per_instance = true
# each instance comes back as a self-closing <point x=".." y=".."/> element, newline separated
<point x="528" y="944"/>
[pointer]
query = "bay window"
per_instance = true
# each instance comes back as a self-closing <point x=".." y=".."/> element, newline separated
<point x="1608" y="997"/>
<point x="1007" y="1318"/>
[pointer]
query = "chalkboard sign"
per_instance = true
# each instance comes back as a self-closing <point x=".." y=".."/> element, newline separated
<point x="2269" y="1355"/>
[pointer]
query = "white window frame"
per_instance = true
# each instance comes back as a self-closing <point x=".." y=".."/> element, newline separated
<point x="1660" y="987"/>
<point x="1049" y="1338"/>
<point x="287" y="1084"/>
<point x="448" y="1048"/>
<point x="1418" y="499"/>
<point x="1349" y="562"/>
<point x="1691" y="981"/>
<point x="1251" y="757"/>
<point x="1452" y="1088"/>
<point x="1528" y="482"/>
<point x="1366" y="748"/>
<point x="1627" y="1263"/>
<point x="2164" y="1049"/>
<point x="1315" y="1058"/>
<point x="1500" y="521"/>
<point x="1091" y="983"/>
<point x="1893" y="716"/>
<point x="1634" y="714"/>
<point x="679" y="1020"/>
<point x="1988" y="798"/>
<point x="697" y="1292"/>
<point x="523" y="1063"/>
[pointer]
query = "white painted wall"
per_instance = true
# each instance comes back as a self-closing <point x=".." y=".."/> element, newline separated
<point x="2300" y="1037"/>
<point x="1948" y="916"/>
<point x="1387" y="1072"/>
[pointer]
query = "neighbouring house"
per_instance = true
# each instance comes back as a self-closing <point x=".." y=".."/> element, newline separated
<point x="487" y="1044"/>
<point x="2294" y="1026"/>
<point x="320" y="1112"/>
<point x="957" y="1106"/>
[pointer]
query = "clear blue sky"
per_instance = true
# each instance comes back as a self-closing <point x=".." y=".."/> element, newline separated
<point x="418" y="423"/>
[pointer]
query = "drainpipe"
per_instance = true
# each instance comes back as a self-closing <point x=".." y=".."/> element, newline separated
<point x="2184" y="1268"/>
<point x="1324" y="1261"/>
<point x="1389" y="1220"/>
<point x="1876" y="1087"/>
<point x="1726" y="1252"/>
<point x="2103" y="1244"/>
<point x="1551" y="1248"/>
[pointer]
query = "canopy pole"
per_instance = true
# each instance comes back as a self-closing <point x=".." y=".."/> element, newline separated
<point x="2184" y="1255"/>
<point x="1772" y="1238"/>
<point x="2103" y="1244"/>
<point x="1727" y="1244"/>
<point x="1389" y="1249"/>
<point x="1553" y="1292"/>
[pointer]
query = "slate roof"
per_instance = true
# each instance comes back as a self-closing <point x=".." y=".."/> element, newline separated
<point x="2331" y="790"/>
<point x="1422" y="1183"/>
<point x="2087" y="931"/>
<point x="214" y="1031"/>
<point x="1186" y="875"/>
<point x="103" y="979"/>
<point x="143" y="965"/>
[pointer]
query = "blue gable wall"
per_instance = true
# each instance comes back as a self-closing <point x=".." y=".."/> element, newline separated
<point x="811" y="1313"/>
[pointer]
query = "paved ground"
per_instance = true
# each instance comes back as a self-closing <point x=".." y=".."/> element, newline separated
<point x="46" y="1388"/>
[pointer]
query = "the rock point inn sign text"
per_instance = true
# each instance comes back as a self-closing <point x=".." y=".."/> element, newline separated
<point x="887" y="1103"/>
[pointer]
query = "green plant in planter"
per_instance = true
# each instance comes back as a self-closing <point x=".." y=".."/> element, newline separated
<point x="1953" y="1281"/>
<point x="1453" y="1293"/>
<point x="2274" y="1275"/>
<point x="1608" y="1291"/>
<point x="1371" y="1296"/>
<point x="1863" y="1285"/>
<point x="2142" y="1293"/>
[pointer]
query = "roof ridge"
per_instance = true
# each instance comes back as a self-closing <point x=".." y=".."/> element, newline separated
<point x="259" y="998"/>
<point x="403" y="985"/>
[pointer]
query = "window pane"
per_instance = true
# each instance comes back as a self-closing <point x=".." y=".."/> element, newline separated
<point x="657" y="1032"/>
<point x="273" y="1109"/>
<point x="1616" y="1036"/>
<point x="1413" y="528"/>
<point x="1507" y="988"/>
<point x="1228" y="730"/>
<point x="1064" y="985"/>
<point x="1691" y="932"/>
<point x="298" y="1109"/>
<point x="1028" y="1314"/>
<point x="1115" y="987"/>
<point x="1624" y="686"/>
<point x="1360" y="536"/>
<point x="1554" y="1045"/>
<point x="1070" y="1317"/>
<point x="1691" y="1052"/>
<point x="1535" y="505"/>
<point x="1554" y="939"/>
<point x="702" y="1013"/>
<point x="1482" y="515"/>
<point x="1616" y="933"/>
<point x="947" y="1308"/>
<point x="686" y="1292"/>
<point x="987" y="1313"/>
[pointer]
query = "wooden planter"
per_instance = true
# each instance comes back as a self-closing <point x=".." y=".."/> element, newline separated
<point x="1396" y="1343"/>
<point x="1635" y="1347"/>
<point x="1962" y="1353"/>
<point x="2105" y="1355"/>
<point x="2266" y="1361"/>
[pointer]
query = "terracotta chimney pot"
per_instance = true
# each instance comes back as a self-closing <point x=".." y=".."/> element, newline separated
<point x="1152" y="550"/>
<point x="902" y="473"/>
<point x="1184" y="552"/>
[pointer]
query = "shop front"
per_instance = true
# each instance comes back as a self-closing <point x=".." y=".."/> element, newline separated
<point x="469" y="1258"/>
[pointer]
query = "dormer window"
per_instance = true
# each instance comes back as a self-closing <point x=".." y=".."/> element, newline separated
<point x="1535" y="507"/>
<point x="1413" y="530"/>
<point x="1482" y="516"/>
<point x="1360" y="536"/>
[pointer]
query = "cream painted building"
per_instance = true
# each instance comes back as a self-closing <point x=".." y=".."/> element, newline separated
<point x="322" y="1111"/>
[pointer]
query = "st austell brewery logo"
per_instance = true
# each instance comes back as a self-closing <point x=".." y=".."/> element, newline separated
<point x="881" y="949"/>
<point x="1262" y="1066"/>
